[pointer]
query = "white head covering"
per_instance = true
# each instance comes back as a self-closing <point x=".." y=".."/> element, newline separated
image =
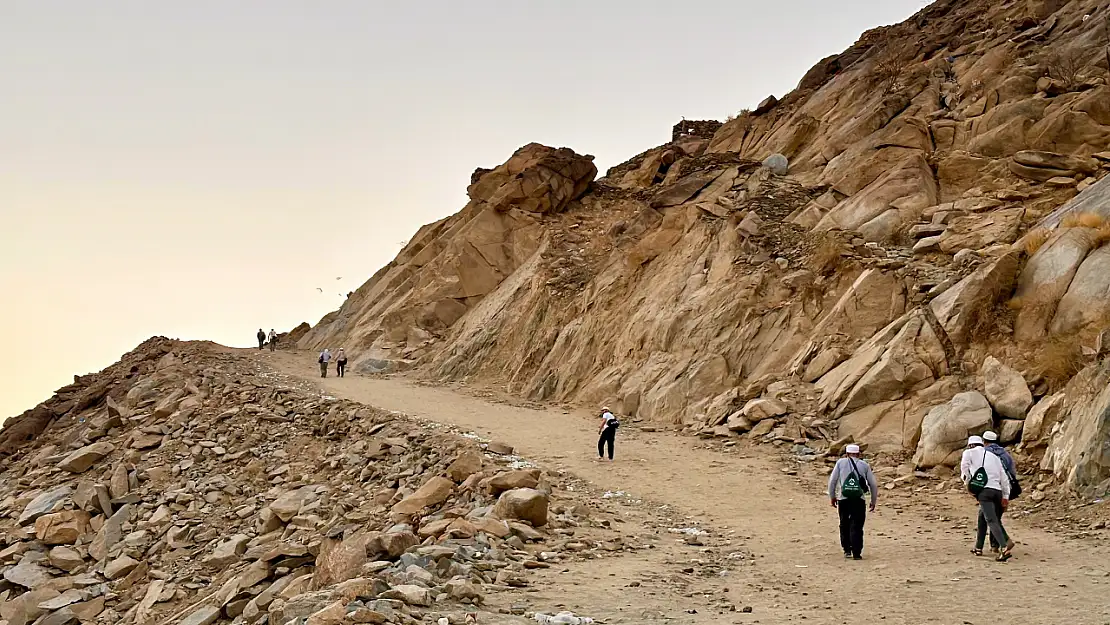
<point x="990" y="436"/>
<point x="974" y="440"/>
<point x="851" y="449"/>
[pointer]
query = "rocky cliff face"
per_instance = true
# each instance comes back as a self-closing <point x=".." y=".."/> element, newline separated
<point x="924" y="216"/>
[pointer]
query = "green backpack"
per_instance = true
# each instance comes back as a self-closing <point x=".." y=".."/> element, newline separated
<point x="853" y="485"/>
<point x="979" y="479"/>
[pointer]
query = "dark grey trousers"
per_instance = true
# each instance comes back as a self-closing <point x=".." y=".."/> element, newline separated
<point x="990" y="513"/>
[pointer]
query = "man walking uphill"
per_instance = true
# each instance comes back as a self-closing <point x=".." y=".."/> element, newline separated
<point x="986" y="480"/>
<point x="325" y="358"/>
<point x="261" y="339"/>
<point x="850" y="480"/>
<point x="272" y="339"/>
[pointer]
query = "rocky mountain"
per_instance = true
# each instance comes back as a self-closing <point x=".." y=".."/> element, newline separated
<point x="188" y="485"/>
<point x="907" y="248"/>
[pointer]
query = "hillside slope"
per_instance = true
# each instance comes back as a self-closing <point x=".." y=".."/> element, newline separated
<point x="929" y="217"/>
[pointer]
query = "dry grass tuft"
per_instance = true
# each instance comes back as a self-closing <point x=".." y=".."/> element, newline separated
<point x="339" y="561"/>
<point x="889" y="67"/>
<point x="1035" y="240"/>
<point x="1016" y="303"/>
<point x="1102" y="236"/>
<point x="1091" y="220"/>
<point x="1071" y="220"/>
<point x="1057" y="361"/>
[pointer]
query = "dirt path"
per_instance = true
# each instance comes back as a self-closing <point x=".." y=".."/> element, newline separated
<point x="917" y="569"/>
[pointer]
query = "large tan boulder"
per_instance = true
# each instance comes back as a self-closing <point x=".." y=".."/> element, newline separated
<point x="1046" y="279"/>
<point x="945" y="429"/>
<point x="537" y="179"/>
<point x="1086" y="304"/>
<point x="432" y="493"/>
<point x="523" y="504"/>
<point x="1005" y="389"/>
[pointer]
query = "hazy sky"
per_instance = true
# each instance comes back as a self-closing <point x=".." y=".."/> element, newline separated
<point x="198" y="169"/>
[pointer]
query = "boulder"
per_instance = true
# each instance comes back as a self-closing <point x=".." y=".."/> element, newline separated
<point x="28" y="575"/>
<point x="24" y="609"/>
<point x="64" y="558"/>
<point x="109" y="534"/>
<point x="44" y="503"/>
<point x="1046" y="278"/>
<point x="537" y="179"/>
<point x="1078" y="453"/>
<point x="1086" y="304"/>
<point x="434" y="492"/>
<point x="1041" y="419"/>
<point x="777" y="163"/>
<point x="508" y="480"/>
<point x="523" y="504"/>
<point x="409" y="595"/>
<point x="499" y="448"/>
<point x="62" y="528"/>
<point x="290" y="503"/>
<point x="83" y="459"/>
<point x="1009" y="431"/>
<point x="823" y="363"/>
<point x="763" y="408"/>
<point x="1005" y="389"/>
<point x="120" y="566"/>
<point x="959" y="308"/>
<point x="228" y="552"/>
<point x="393" y="544"/>
<point x="1071" y="165"/>
<point x="978" y="231"/>
<point x="468" y="463"/>
<point x="204" y="615"/>
<point x="945" y="429"/>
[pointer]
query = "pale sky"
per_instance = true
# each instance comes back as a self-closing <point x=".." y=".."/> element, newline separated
<point x="198" y="169"/>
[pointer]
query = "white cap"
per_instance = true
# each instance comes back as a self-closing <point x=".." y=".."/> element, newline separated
<point x="974" y="440"/>
<point x="851" y="449"/>
<point x="990" y="436"/>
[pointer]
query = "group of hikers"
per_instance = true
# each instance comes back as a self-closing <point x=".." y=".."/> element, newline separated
<point x="325" y="358"/>
<point x="987" y="471"/>
<point x="264" y="339"/>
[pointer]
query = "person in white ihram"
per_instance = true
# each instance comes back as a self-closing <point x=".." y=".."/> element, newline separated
<point x="985" y="477"/>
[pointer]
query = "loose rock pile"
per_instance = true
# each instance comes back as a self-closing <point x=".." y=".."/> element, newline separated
<point x="196" y="489"/>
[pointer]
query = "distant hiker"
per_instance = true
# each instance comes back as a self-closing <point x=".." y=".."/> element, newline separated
<point x="325" y="358"/>
<point x="272" y="339"/>
<point x="261" y="338"/>
<point x="986" y="480"/>
<point x="607" y="433"/>
<point x="850" y="480"/>
<point x="340" y="362"/>
<point x="991" y="441"/>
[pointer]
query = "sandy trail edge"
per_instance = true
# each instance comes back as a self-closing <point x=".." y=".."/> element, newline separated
<point x="916" y="571"/>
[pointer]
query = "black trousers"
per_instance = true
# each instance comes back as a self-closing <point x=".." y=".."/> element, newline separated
<point x="853" y="514"/>
<point x="260" y="343"/>
<point x="990" y="514"/>
<point x="340" y="367"/>
<point x="608" y="436"/>
<point x="273" y="344"/>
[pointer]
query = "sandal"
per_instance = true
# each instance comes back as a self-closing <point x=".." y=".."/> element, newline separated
<point x="977" y="552"/>
<point x="1007" y="553"/>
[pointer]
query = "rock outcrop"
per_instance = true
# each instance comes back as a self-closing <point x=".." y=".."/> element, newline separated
<point x="933" y="195"/>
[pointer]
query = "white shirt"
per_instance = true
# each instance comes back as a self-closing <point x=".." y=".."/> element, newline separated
<point x="326" y="355"/>
<point x="607" y="417"/>
<point x="996" y="473"/>
<point x="273" y="335"/>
